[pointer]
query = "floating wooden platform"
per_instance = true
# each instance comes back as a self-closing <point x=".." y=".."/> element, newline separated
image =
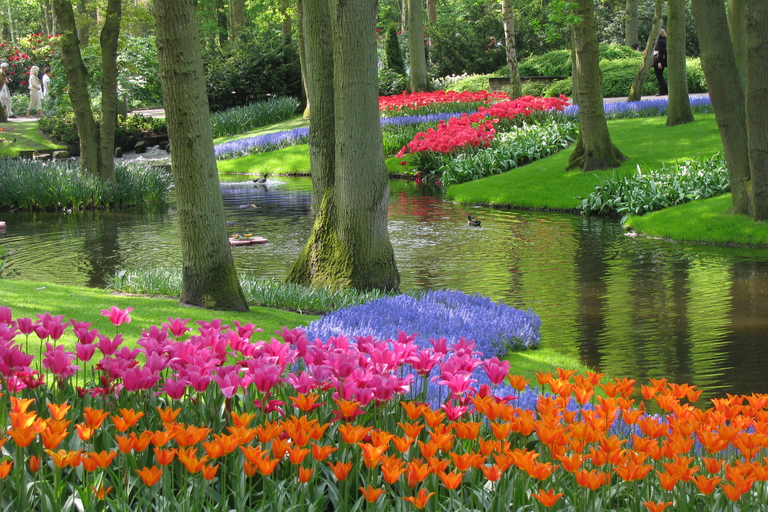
<point x="247" y="240"/>
<point x="2" y="225"/>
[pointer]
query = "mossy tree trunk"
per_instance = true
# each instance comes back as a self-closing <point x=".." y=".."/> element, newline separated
<point x="631" y="16"/>
<point x="349" y="245"/>
<point x="737" y="26"/>
<point x="757" y="105"/>
<point x="208" y="271"/>
<point x="727" y="94"/>
<point x="594" y="149"/>
<point x="109" y="38"/>
<point x="679" y="108"/>
<point x="636" y="91"/>
<point x="418" y="79"/>
<point x="508" y="14"/>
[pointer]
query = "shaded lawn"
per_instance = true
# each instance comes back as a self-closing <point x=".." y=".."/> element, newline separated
<point x="646" y="142"/>
<point x="706" y="220"/>
<point x="85" y="304"/>
<point x="28" y="138"/>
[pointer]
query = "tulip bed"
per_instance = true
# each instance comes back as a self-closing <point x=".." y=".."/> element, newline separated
<point x="218" y="420"/>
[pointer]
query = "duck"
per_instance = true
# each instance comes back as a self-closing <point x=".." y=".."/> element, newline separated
<point x="260" y="180"/>
<point x="472" y="222"/>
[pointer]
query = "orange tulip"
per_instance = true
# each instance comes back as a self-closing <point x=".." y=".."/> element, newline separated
<point x="101" y="492"/>
<point x="413" y="409"/>
<point x="213" y="449"/>
<point x="517" y="381"/>
<point x="168" y="415"/>
<point x="22" y="437"/>
<point x="94" y="417"/>
<point x="58" y="412"/>
<point x="320" y="453"/>
<point x="466" y="460"/>
<point x="657" y="507"/>
<point x="297" y="455"/>
<point x="392" y="472"/>
<point x="20" y="405"/>
<point x="433" y="418"/>
<point x="305" y="474"/>
<point x="267" y="466"/>
<point x="250" y="468"/>
<point x="54" y="433"/>
<point x="492" y="473"/>
<point x="548" y="498"/>
<point x="437" y="465"/>
<point x="306" y="402"/>
<point x="103" y="458"/>
<point x="348" y="409"/>
<point x="140" y="443"/>
<point x="5" y="468"/>
<point x="371" y="454"/>
<point x="371" y="494"/>
<point x="411" y="430"/>
<point x="416" y="472"/>
<point x="352" y="434"/>
<point x="161" y="437"/>
<point x="668" y="481"/>
<point x="341" y="470"/>
<point x="428" y="449"/>
<point x="252" y="453"/>
<point x="34" y="463"/>
<point x="468" y="430"/>
<point x="64" y="458"/>
<point x="501" y="431"/>
<point x="451" y="480"/>
<point x="421" y="500"/>
<point x="188" y="457"/>
<point x="84" y="432"/>
<point x="209" y="471"/>
<point x="242" y="419"/>
<point x="591" y="479"/>
<point x="124" y="443"/>
<point x="706" y="485"/>
<point x="127" y="419"/>
<point x="150" y="476"/>
<point x="164" y="456"/>
<point x="402" y="444"/>
<point x="189" y="435"/>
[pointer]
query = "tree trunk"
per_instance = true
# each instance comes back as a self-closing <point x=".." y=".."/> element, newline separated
<point x="509" y="34"/>
<point x="679" y="109"/>
<point x="302" y="53"/>
<point x="349" y="244"/>
<point x="727" y="94"/>
<point x="109" y="38"/>
<point x="285" y="25"/>
<point x="236" y="17"/>
<point x="221" y="22"/>
<point x="636" y="91"/>
<point x="574" y="72"/>
<point x="737" y="25"/>
<point x="208" y="271"/>
<point x="757" y="104"/>
<point x="77" y="81"/>
<point x="418" y="80"/>
<point x="631" y="17"/>
<point x="594" y="149"/>
<point x="432" y="11"/>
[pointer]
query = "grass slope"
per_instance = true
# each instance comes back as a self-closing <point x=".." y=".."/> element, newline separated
<point x="545" y="184"/>
<point x="28" y="299"/>
<point x="708" y="221"/>
<point x="28" y="138"/>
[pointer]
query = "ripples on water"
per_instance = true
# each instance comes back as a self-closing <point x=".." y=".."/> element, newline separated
<point x="633" y="307"/>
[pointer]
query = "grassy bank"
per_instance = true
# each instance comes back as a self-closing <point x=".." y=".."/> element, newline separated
<point x="27" y="138"/>
<point x="646" y="142"/>
<point x="707" y="221"/>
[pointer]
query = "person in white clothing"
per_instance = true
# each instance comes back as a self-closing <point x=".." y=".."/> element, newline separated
<point x="34" y="92"/>
<point x="5" y="93"/>
<point x="46" y="80"/>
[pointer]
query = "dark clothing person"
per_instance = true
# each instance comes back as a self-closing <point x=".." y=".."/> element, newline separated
<point x="660" y="61"/>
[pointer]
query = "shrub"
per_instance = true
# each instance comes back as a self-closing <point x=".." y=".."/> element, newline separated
<point x="642" y="193"/>
<point x="32" y="186"/>
<point x="615" y="52"/>
<point x="253" y="68"/>
<point x="391" y="82"/>
<point x="129" y="130"/>
<point x="534" y="88"/>
<point x="470" y="83"/>
<point x="392" y="52"/>
<point x="555" y="63"/>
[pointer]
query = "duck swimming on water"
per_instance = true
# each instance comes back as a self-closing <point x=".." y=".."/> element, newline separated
<point x="472" y="222"/>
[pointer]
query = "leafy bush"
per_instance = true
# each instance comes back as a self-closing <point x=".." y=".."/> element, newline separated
<point x="615" y="52"/>
<point x="555" y="63"/>
<point x="30" y="185"/>
<point x="391" y="82"/>
<point x="243" y="119"/>
<point x="129" y="130"/>
<point x="470" y="83"/>
<point x="495" y="327"/>
<point x="642" y="193"/>
<point x="254" y="68"/>
<point x="510" y="150"/>
<point x="393" y="54"/>
<point x="534" y="88"/>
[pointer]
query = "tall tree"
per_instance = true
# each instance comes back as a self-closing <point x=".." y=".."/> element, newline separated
<point x="757" y="104"/>
<point x="679" y="109"/>
<point x="508" y="14"/>
<point x="302" y="52"/>
<point x="236" y="17"/>
<point x="737" y="25"/>
<point x="432" y="11"/>
<point x="209" y="278"/>
<point x="631" y="17"/>
<point x="594" y="149"/>
<point x="285" y="24"/>
<point x="97" y="144"/>
<point x="349" y="245"/>
<point x="727" y="94"/>
<point x="636" y="91"/>
<point x="418" y="79"/>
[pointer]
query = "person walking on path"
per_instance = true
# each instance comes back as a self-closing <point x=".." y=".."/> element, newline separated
<point x="46" y="81"/>
<point x="5" y="93"/>
<point x="35" y="102"/>
<point x="660" y="61"/>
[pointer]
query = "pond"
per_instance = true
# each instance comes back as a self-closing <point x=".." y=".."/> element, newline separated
<point x="631" y="306"/>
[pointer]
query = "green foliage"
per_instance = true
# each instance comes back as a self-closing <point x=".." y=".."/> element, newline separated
<point x="30" y="185"/>
<point x="128" y="131"/>
<point x="510" y="150"/>
<point x="470" y="83"/>
<point x="534" y="88"/>
<point x="391" y="82"/>
<point x="554" y="63"/>
<point x="615" y="52"/>
<point x="258" y="291"/>
<point x="559" y="87"/>
<point x="640" y="193"/>
<point x="254" y="68"/>
<point x="243" y="119"/>
<point x="393" y="55"/>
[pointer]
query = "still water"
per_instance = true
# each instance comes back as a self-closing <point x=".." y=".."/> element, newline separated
<point x="632" y="306"/>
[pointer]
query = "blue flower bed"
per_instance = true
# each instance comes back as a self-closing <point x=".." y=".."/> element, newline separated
<point x="260" y="143"/>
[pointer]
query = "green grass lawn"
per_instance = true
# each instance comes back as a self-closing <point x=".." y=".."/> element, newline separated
<point x="85" y="304"/>
<point x="28" y="138"/>
<point x="543" y="184"/>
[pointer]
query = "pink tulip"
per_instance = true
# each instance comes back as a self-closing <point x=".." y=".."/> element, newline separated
<point x="85" y="351"/>
<point x="116" y="315"/>
<point x="59" y="361"/>
<point x="496" y="370"/>
<point x="6" y="316"/>
<point x="177" y="326"/>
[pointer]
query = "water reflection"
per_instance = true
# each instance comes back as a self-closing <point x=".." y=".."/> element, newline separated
<point x="634" y="307"/>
